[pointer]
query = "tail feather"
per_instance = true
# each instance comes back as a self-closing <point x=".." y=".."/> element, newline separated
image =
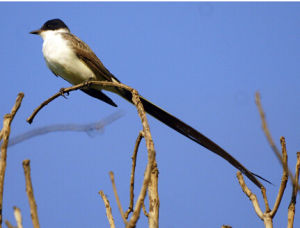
<point x="192" y="134"/>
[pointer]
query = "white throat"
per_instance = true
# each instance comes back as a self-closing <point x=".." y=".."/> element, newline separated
<point x="49" y="33"/>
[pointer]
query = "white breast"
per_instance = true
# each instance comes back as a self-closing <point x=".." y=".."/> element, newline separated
<point x="61" y="59"/>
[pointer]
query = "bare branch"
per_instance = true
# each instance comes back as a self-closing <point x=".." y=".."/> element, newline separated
<point x="18" y="217"/>
<point x="5" y="132"/>
<point x="108" y="210"/>
<point x="112" y="178"/>
<point x="76" y="87"/>
<point x="136" y="147"/>
<point x="151" y="160"/>
<point x="153" y="197"/>
<point x="88" y="128"/>
<point x="250" y="195"/>
<point x="263" y="192"/>
<point x="29" y="190"/>
<point x="269" y="137"/>
<point x="145" y="211"/>
<point x="291" y="210"/>
<point x="284" y="178"/>
<point x="7" y="223"/>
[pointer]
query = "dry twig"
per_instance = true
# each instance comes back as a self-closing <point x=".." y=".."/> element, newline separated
<point x="8" y="224"/>
<point x="269" y="137"/>
<point x="108" y="210"/>
<point x="112" y="178"/>
<point x="29" y="191"/>
<point x="284" y="178"/>
<point x="18" y="217"/>
<point x="72" y="88"/>
<point x="5" y="132"/>
<point x="136" y="147"/>
<point x="291" y="210"/>
<point x="263" y="216"/>
<point x="145" y="211"/>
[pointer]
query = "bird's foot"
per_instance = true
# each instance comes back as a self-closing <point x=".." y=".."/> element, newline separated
<point x="63" y="93"/>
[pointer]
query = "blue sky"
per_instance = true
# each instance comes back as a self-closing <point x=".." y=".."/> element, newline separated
<point x="202" y="62"/>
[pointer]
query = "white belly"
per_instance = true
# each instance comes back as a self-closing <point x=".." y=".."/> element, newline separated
<point x="61" y="59"/>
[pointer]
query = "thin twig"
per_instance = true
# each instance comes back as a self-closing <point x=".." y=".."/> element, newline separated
<point x="8" y="118"/>
<point x="29" y="190"/>
<point x="112" y="178"/>
<point x="108" y="210"/>
<point x="264" y="194"/>
<point x="266" y="217"/>
<point x="18" y="217"/>
<point x="269" y="137"/>
<point x="144" y="210"/>
<point x="250" y="195"/>
<point x="291" y="210"/>
<point x="72" y="88"/>
<point x="136" y="147"/>
<point x="88" y="128"/>
<point x="8" y="224"/>
<point x="284" y="178"/>
<point x="153" y="197"/>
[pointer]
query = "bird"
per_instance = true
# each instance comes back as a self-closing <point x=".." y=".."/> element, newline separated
<point x="73" y="60"/>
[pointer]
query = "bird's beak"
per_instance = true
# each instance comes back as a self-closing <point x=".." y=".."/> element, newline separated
<point x="36" y="32"/>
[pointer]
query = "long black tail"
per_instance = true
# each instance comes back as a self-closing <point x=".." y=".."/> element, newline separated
<point x="192" y="134"/>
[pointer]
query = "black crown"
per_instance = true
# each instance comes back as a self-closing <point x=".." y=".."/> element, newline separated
<point x="54" y="24"/>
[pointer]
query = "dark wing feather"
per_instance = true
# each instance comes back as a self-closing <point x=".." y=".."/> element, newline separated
<point x="99" y="95"/>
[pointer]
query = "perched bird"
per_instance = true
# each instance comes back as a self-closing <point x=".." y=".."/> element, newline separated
<point x="70" y="58"/>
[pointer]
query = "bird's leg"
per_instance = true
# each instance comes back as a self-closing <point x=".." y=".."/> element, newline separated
<point x="62" y="93"/>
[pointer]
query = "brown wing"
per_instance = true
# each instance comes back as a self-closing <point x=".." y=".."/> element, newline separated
<point x="86" y="54"/>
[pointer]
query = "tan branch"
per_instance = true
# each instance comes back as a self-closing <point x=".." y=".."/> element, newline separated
<point x="5" y="132"/>
<point x="29" y="191"/>
<point x="284" y="178"/>
<point x="72" y="88"/>
<point x="269" y="137"/>
<point x="108" y="210"/>
<point x="145" y="211"/>
<point x="250" y="195"/>
<point x="8" y="224"/>
<point x="112" y="178"/>
<point x="264" y="194"/>
<point x="151" y="160"/>
<point x="266" y="217"/>
<point x="18" y="217"/>
<point x="291" y="210"/>
<point x="136" y="147"/>
<point x="153" y="197"/>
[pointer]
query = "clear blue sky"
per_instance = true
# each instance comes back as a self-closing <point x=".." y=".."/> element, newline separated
<point x="203" y="62"/>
